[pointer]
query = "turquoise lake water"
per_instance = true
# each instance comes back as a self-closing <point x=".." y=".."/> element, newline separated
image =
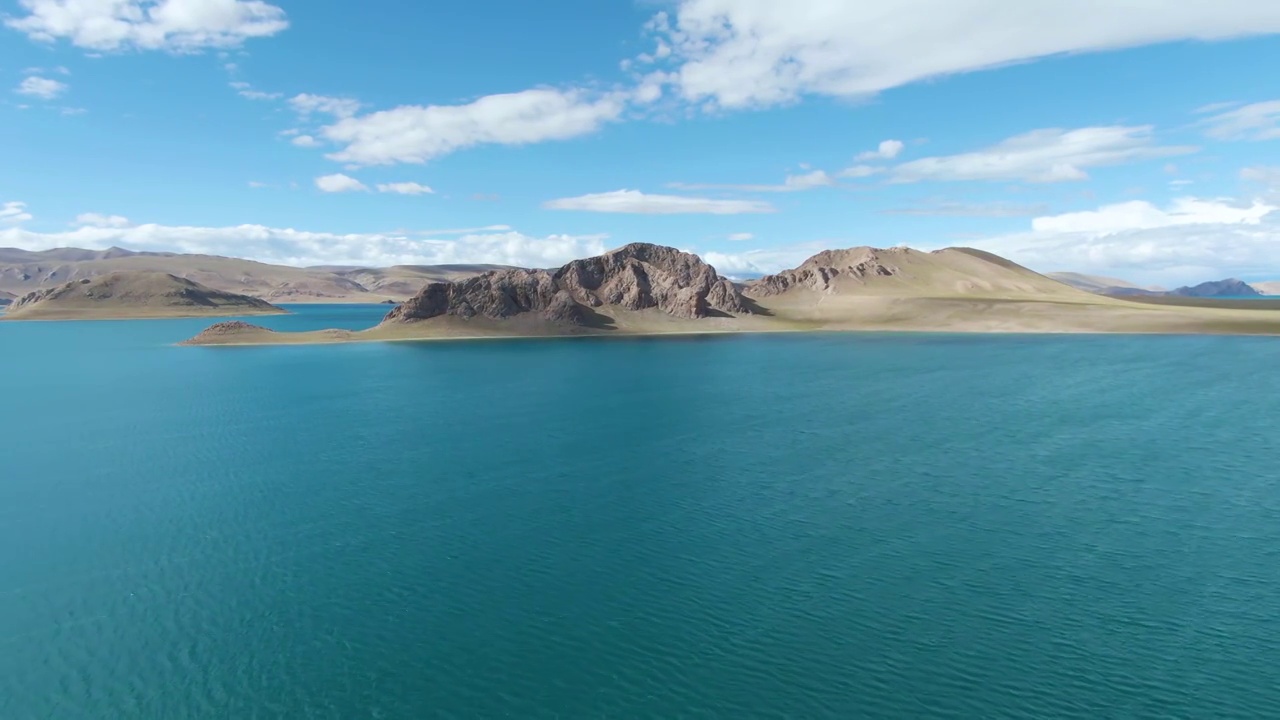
<point x="758" y="526"/>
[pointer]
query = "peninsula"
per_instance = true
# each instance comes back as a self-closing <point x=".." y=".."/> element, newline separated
<point x="644" y="289"/>
<point x="128" y="295"/>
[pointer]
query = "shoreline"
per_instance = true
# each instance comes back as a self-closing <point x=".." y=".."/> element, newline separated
<point x="718" y="333"/>
<point x="4" y="317"/>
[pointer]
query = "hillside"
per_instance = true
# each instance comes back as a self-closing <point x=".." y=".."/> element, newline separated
<point x="22" y="271"/>
<point x="123" y="295"/>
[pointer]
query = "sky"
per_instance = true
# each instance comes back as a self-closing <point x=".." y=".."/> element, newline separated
<point x="1131" y="138"/>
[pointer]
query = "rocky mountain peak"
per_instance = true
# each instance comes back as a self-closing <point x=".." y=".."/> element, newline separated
<point x="639" y="276"/>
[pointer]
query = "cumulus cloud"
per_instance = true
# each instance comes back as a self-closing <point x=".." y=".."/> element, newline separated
<point x="405" y="188"/>
<point x="305" y="141"/>
<point x="14" y="212"/>
<point x="41" y="87"/>
<point x="1190" y="240"/>
<point x="888" y="150"/>
<point x="744" y="53"/>
<point x="288" y="246"/>
<point x="1043" y="156"/>
<point x="765" y="261"/>
<point x="418" y="134"/>
<point x="169" y="25"/>
<point x="100" y="220"/>
<point x="636" y="202"/>
<point x="339" y="183"/>
<point x="306" y="104"/>
<point x="1259" y="121"/>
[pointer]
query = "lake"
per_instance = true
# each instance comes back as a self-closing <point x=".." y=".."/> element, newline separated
<point x="807" y="526"/>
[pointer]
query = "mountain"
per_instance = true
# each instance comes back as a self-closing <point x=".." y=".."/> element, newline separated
<point x="1101" y="284"/>
<point x="1230" y="287"/>
<point x="133" y="295"/>
<point x="633" y="278"/>
<point x="904" y="271"/>
<point x="6" y="298"/>
<point x="639" y="288"/>
<point x="22" y="271"/>
<point x="645" y="289"/>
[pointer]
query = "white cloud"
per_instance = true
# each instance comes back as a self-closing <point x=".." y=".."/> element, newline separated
<point x="1259" y="121"/>
<point x="45" y="88"/>
<point x="72" y="111"/>
<point x="1265" y="175"/>
<point x="464" y="231"/>
<point x="170" y="25"/>
<point x="305" y="141"/>
<point x="742" y="53"/>
<point x="289" y="246"/>
<point x="1142" y="215"/>
<point x="946" y="208"/>
<point x="1049" y="155"/>
<point x="60" y="70"/>
<point x="742" y="236"/>
<point x="792" y="183"/>
<point x="338" y="183"/>
<point x="417" y="134"/>
<point x="636" y="202"/>
<point x="100" y="220"/>
<point x="306" y="104"/>
<point x="258" y="184"/>
<point x="245" y="90"/>
<point x="14" y="212"/>
<point x="888" y="150"/>
<point x="860" y="171"/>
<point x="764" y="261"/>
<point x="1190" y="241"/>
<point x="405" y="188"/>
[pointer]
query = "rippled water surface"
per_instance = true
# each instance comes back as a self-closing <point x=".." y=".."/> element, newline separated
<point x="771" y="526"/>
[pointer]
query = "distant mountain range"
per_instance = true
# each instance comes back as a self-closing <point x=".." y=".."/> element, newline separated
<point x="24" y="271"/>
<point x="1229" y="288"/>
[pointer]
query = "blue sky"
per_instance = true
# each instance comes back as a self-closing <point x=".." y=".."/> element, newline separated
<point x="1116" y="139"/>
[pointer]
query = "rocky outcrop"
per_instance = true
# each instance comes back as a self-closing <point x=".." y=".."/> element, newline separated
<point x="820" y="272"/>
<point x="636" y="277"/>
<point x="221" y="330"/>
<point x="1230" y="287"/>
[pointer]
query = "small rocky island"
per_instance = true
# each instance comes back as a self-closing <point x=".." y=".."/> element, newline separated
<point x="133" y="294"/>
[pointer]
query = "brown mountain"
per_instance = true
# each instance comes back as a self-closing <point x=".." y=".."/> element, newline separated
<point x="133" y="295"/>
<point x="22" y="271"/>
<point x="632" y="278"/>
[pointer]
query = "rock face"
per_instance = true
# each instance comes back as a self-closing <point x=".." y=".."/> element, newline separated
<point x="820" y="272"/>
<point x="1219" y="288"/>
<point x="636" y="277"/>
<point x="134" y="294"/>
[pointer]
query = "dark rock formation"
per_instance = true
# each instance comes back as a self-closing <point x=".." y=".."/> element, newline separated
<point x="820" y="272"/>
<point x="1230" y="287"/>
<point x="636" y="277"/>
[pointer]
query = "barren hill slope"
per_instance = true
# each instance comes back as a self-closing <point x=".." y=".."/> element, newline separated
<point x="133" y="295"/>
